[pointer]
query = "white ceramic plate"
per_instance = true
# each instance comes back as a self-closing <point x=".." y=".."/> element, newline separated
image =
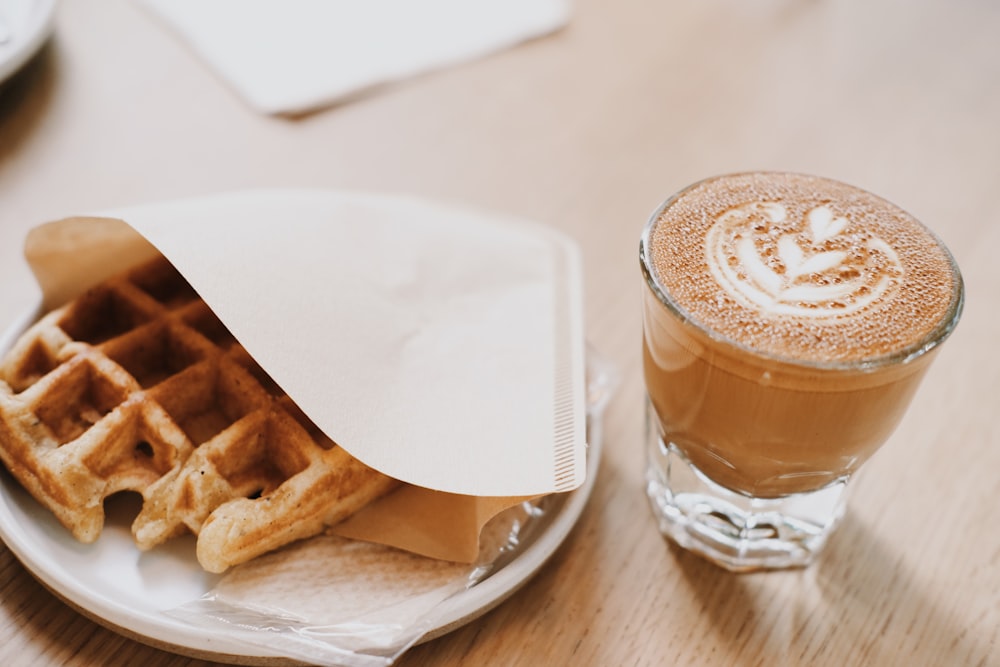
<point x="24" y="27"/>
<point x="115" y="584"/>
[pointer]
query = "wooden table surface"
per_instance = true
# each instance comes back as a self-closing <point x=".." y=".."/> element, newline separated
<point x="588" y="129"/>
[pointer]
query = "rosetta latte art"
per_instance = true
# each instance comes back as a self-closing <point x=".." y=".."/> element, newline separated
<point x="814" y="267"/>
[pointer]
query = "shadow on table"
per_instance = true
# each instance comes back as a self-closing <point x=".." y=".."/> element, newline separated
<point x="800" y="614"/>
<point x="24" y="99"/>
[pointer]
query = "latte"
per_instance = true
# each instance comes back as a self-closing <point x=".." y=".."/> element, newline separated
<point x="788" y="320"/>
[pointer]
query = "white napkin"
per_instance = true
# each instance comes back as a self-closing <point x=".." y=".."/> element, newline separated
<point x="293" y="56"/>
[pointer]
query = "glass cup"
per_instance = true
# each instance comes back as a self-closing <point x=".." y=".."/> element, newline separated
<point x="749" y="452"/>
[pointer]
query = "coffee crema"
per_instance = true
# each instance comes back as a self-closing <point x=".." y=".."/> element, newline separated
<point x="802" y="268"/>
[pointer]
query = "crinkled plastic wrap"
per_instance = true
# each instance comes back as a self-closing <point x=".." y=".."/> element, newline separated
<point x="332" y="601"/>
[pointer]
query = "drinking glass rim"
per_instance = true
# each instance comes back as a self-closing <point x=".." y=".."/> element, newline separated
<point x="906" y="355"/>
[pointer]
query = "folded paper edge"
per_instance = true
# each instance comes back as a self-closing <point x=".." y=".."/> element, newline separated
<point x="109" y="247"/>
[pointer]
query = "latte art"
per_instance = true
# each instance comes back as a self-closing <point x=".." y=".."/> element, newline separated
<point x="818" y="267"/>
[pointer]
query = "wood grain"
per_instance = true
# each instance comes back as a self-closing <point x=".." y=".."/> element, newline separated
<point x="588" y="130"/>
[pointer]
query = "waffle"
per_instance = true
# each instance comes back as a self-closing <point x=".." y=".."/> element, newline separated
<point x="137" y="386"/>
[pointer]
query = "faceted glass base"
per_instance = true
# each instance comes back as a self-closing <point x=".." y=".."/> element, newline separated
<point x="735" y="531"/>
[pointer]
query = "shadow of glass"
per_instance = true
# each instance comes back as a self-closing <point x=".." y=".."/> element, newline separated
<point x="835" y="611"/>
<point x="914" y="626"/>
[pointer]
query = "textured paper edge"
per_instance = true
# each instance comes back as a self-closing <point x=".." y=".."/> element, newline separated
<point x="570" y="382"/>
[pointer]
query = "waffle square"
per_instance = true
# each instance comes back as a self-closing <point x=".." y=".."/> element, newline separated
<point x="137" y="386"/>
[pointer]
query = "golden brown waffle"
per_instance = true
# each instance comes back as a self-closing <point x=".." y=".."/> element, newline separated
<point x="136" y="385"/>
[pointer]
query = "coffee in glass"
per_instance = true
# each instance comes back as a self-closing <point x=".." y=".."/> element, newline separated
<point x="787" y="322"/>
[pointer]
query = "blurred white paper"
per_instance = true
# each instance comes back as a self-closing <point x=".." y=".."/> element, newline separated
<point x="292" y="56"/>
<point x="441" y="346"/>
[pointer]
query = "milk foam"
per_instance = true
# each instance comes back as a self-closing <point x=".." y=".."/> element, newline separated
<point x="802" y="267"/>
